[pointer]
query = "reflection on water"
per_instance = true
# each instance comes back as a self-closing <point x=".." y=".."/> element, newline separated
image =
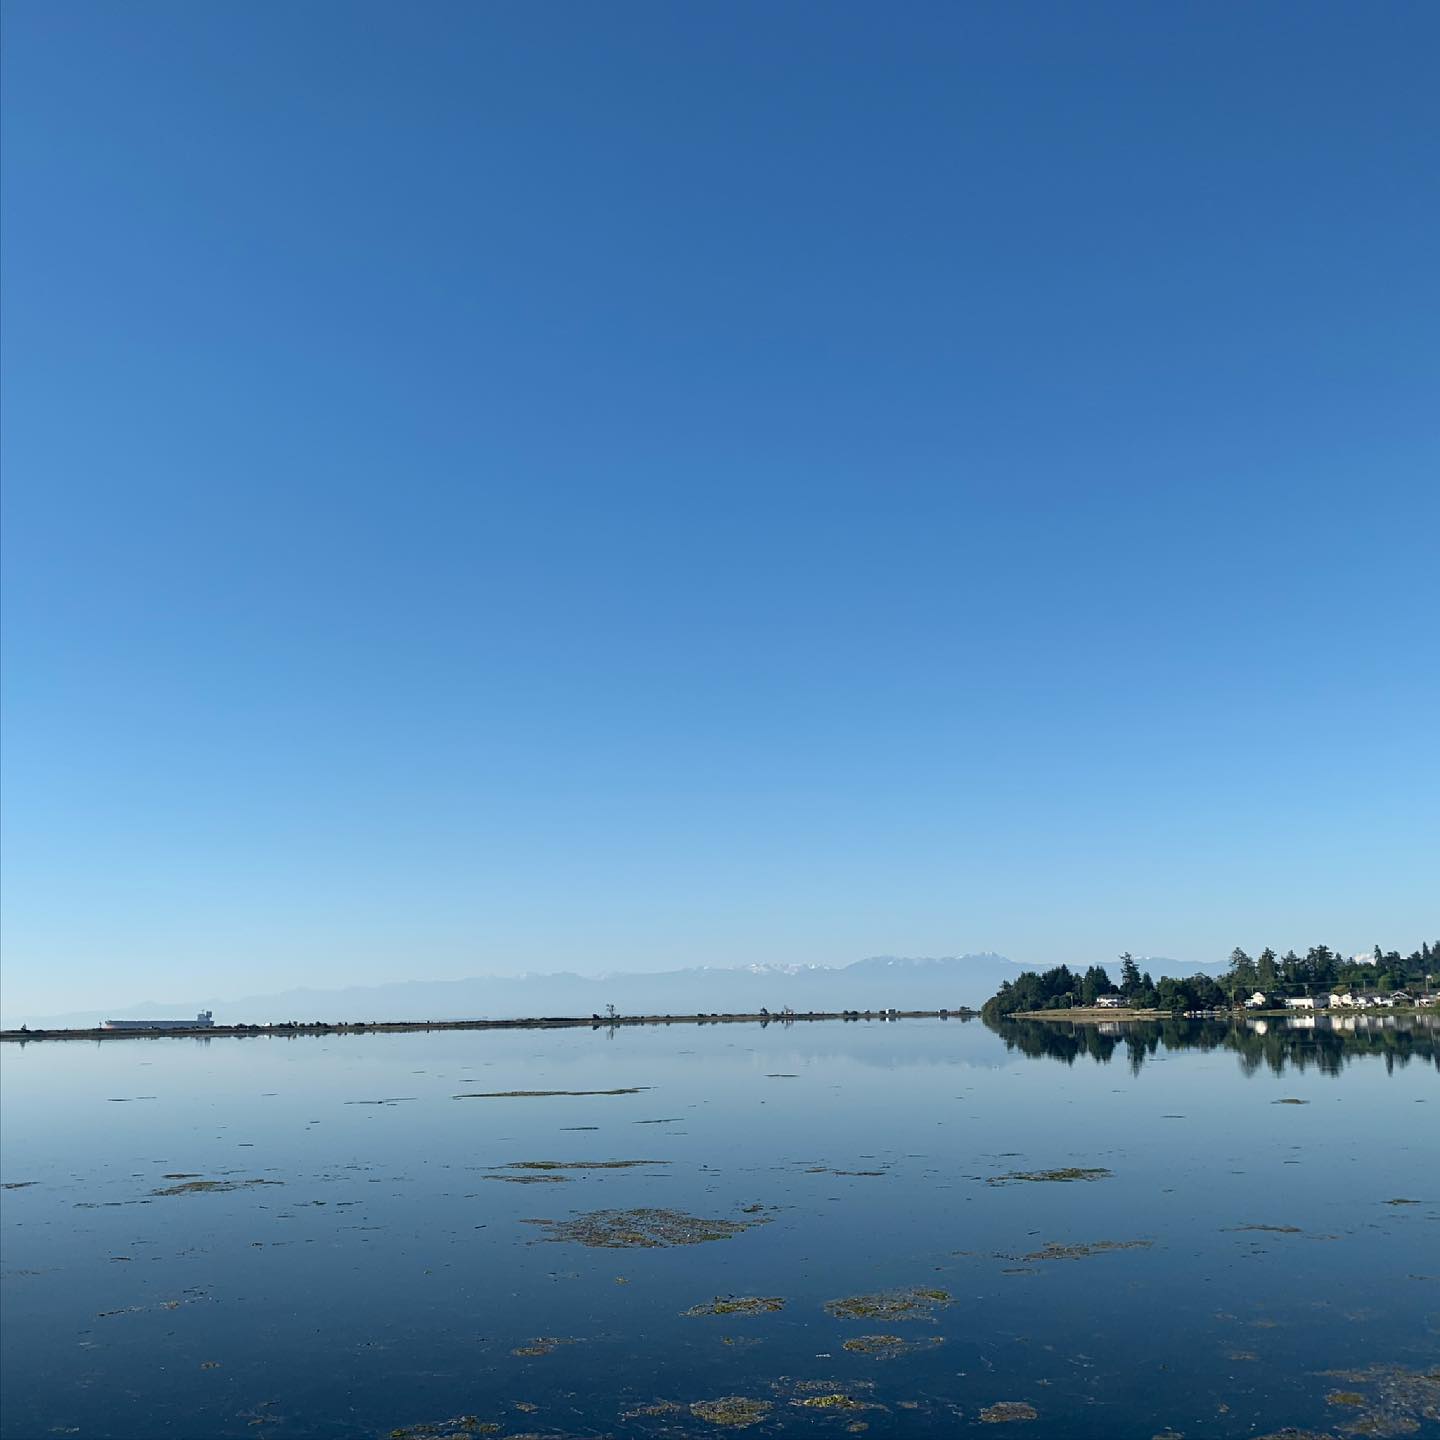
<point x="1323" y="1042"/>
<point x="917" y="1228"/>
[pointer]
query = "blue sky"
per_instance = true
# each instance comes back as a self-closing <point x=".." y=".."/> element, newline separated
<point x="500" y="487"/>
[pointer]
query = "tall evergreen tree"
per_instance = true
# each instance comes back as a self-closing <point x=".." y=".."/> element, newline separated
<point x="1129" y="975"/>
<point x="1265" y="971"/>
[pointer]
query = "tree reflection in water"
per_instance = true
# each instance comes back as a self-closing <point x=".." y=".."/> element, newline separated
<point x="1319" y="1042"/>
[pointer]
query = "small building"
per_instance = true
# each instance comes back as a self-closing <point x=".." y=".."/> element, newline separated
<point x="1341" y="999"/>
<point x="1109" y="1002"/>
<point x="1299" y="1002"/>
<point x="1258" y="1001"/>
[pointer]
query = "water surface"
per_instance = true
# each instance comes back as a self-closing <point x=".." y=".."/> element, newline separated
<point x="332" y="1236"/>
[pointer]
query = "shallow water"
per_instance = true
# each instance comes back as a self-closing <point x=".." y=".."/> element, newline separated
<point x="1123" y="1231"/>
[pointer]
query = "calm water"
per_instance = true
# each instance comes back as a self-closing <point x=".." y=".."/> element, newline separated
<point x="383" y="1278"/>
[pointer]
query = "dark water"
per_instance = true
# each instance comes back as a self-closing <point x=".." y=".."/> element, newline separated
<point x="382" y="1279"/>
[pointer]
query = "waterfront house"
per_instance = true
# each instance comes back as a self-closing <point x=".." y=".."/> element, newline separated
<point x="1109" y="1002"/>
<point x="1258" y="1001"/>
<point x="1299" y="1002"/>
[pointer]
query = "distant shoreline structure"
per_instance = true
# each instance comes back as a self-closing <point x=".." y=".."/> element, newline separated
<point x="204" y="1026"/>
<point x="205" y="1020"/>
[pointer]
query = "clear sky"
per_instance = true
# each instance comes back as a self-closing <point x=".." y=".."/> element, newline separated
<point x="535" y="486"/>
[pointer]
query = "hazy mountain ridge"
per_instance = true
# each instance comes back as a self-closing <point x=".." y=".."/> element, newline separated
<point x="879" y="981"/>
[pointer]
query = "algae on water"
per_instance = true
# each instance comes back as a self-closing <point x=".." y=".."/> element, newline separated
<point x="736" y="1412"/>
<point x="888" y="1347"/>
<point x="461" y="1427"/>
<point x="211" y="1187"/>
<point x="542" y="1094"/>
<point x="580" y="1164"/>
<point x="1008" y="1411"/>
<point x="645" y="1228"/>
<point x="1052" y="1251"/>
<point x="1064" y="1175"/>
<point x="739" y="1305"/>
<point x="916" y="1303"/>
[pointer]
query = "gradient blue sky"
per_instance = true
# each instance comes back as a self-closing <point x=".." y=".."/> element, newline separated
<point x="570" y="485"/>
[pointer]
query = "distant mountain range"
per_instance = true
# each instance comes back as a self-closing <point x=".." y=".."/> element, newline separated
<point x="899" y="982"/>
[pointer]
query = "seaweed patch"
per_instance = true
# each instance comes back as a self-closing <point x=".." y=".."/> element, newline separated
<point x="542" y="1345"/>
<point x="889" y="1347"/>
<point x="914" y="1304"/>
<point x="1007" y="1411"/>
<point x="1052" y="1251"/>
<point x="733" y="1411"/>
<point x="461" y="1427"/>
<point x="739" y="1305"/>
<point x="211" y="1187"/>
<point x="543" y="1094"/>
<point x="580" y="1164"/>
<point x="645" y="1228"/>
<point x="1066" y="1175"/>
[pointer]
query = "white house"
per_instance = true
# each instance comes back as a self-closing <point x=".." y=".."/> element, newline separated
<point x="1299" y="1002"/>
<point x="1258" y="1001"/>
<point x="1109" y="1002"/>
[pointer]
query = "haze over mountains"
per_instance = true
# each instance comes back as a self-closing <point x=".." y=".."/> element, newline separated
<point x="881" y="981"/>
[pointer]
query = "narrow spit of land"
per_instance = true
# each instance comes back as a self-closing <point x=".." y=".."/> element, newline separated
<point x="546" y="1022"/>
<point x="1089" y="1016"/>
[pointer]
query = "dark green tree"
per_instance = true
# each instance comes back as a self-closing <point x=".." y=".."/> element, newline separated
<point x="1129" y="975"/>
<point x="1266" y="973"/>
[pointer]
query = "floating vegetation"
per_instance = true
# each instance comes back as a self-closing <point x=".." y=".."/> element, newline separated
<point x="912" y="1304"/>
<point x="739" y="1305"/>
<point x="212" y="1187"/>
<point x="1290" y="1100"/>
<point x="645" y="1228"/>
<point x="1008" y="1411"/>
<point x="543" y="1094"/>
<point x="1399" y="1200"/>
<point x="658" y="1407"/>
<point x="384" y="1100"/>
<point x="25" y="1185"/>
<point x="1270" y="1229"/>
<point x="1398" y="1399"/>
<point x="1053" y="1251"/>
<point x="542" y="1345"/>
<point x="734" y="1411"/>
<point x="530" y="1179"/>
<point x="462" y="1427"/>
<point x="580" y="1164"/>
<point x="888" y="1347"/>
<point x="833" y="1402"/>
<point x="1065" y="1175"/>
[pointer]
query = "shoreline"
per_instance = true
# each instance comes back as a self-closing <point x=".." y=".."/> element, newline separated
<point x="1089" y="1016"/>
<point x="550" y="1022"/>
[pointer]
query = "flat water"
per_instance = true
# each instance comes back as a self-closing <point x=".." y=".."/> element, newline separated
<point x="1134" y="1231"/>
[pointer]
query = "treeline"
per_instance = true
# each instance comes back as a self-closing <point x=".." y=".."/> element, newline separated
<point x="1318" y="971"/>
